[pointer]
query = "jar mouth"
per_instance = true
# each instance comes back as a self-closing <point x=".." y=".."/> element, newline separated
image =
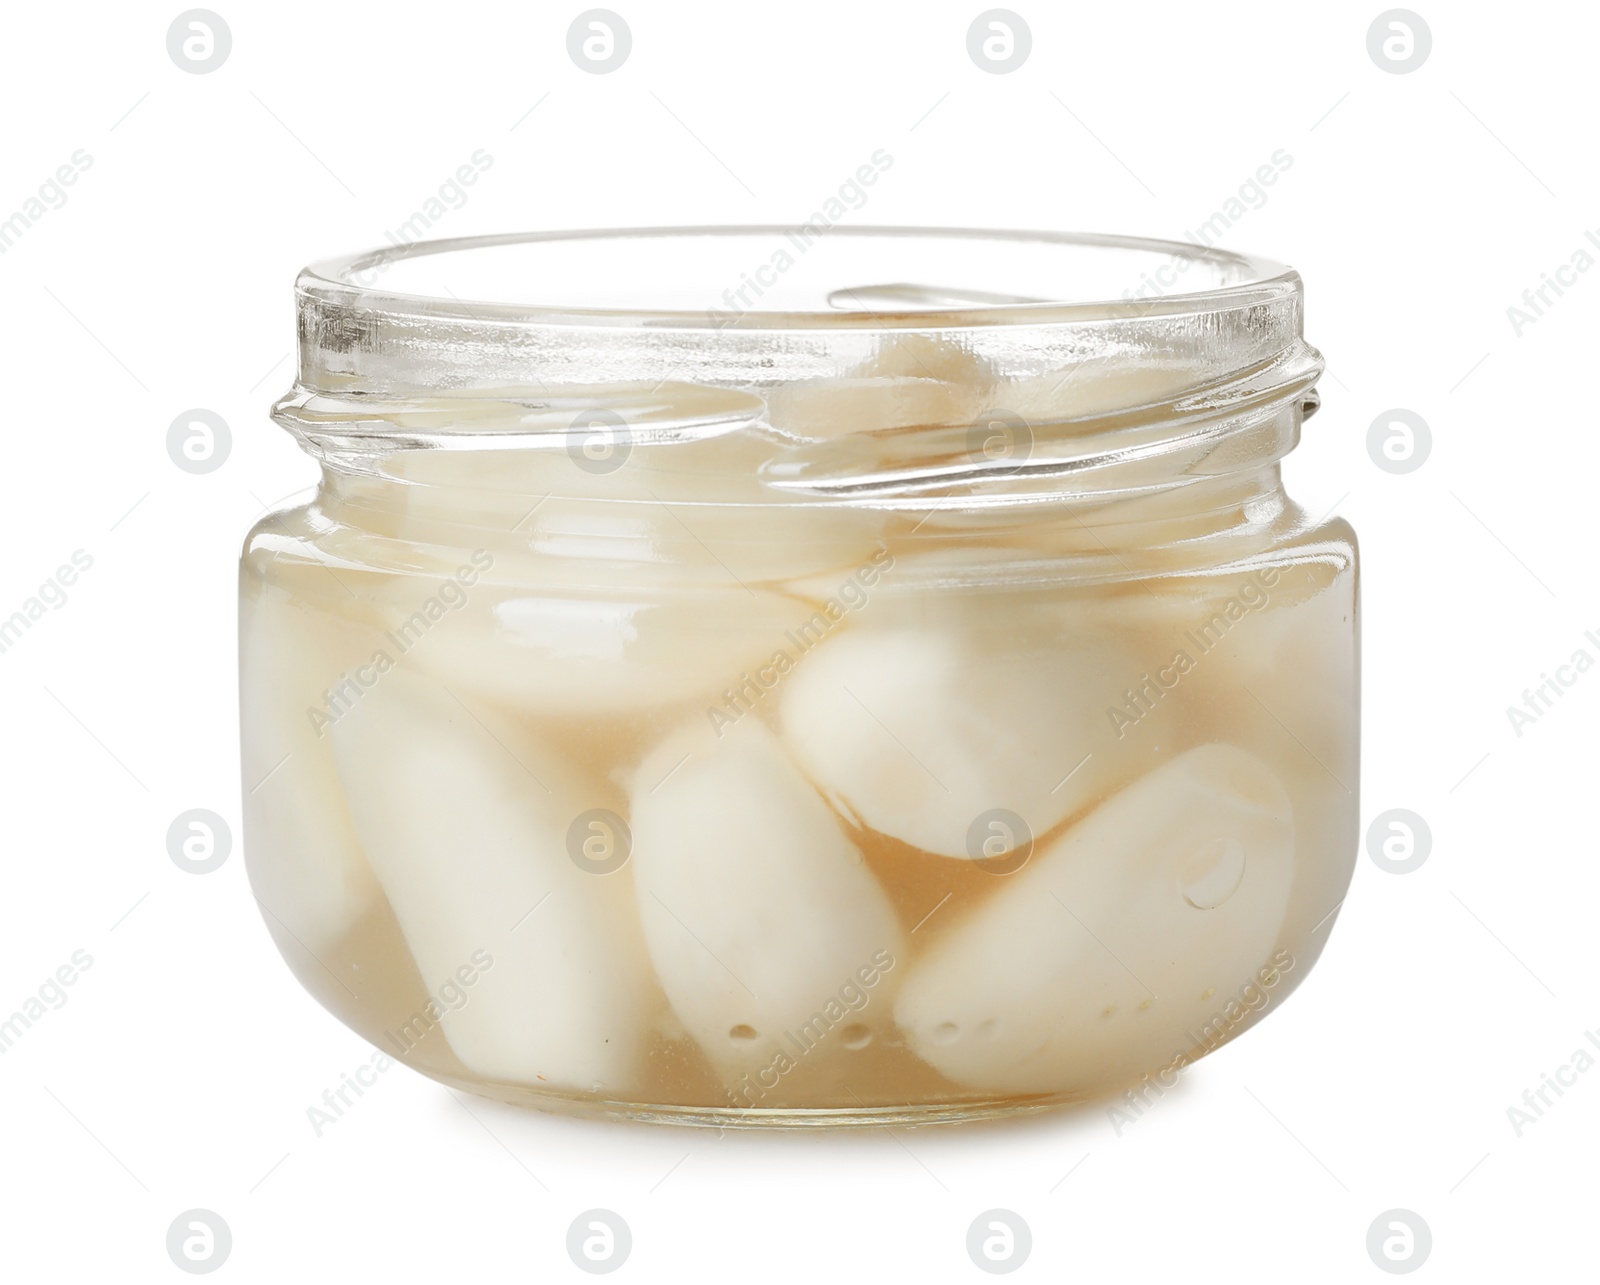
<point x="889" y="366"/>
<point x="806" y="277"/>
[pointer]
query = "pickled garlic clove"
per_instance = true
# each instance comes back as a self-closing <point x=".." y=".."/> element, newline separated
<point x="691" y="512"/>
<point x="1298" y="660"/>
<point x="1299" y="668"/>
<point x="772" y="940"/>
<point x="1098" y="384"/>
<point x="596" y="653"/>
<point x="918" y="727"/>
<point x="466" y="820"/>
<point x="306" y="865"/>
<point x="1115" y="949"/>
<point x="911" y="380"/>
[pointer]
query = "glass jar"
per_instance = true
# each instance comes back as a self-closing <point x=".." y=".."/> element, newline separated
<point x="787" y="676"/>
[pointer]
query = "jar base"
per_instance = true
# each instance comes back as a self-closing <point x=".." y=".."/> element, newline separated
<point x="905" y="1114"/>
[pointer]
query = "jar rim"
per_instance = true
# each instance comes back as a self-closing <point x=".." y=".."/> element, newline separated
<point x="1230" y="280"/>
<point x="878" y="400"/>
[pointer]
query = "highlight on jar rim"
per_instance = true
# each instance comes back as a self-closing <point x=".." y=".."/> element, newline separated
<point x="800" y="676"/>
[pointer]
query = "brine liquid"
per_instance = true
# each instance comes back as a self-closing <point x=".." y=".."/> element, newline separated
<point x="376" y="837"/>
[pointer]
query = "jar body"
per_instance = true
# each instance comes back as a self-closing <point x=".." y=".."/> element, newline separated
<point x="677" y="811"/>
<point x="847" y="703"/>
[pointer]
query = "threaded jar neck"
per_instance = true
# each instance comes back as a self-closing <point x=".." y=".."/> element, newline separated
<point x="994" y="378"/>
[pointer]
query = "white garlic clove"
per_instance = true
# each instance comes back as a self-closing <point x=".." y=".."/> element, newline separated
<point x="306" y="865"/>
<point x="585" y="653"/>
<point x="690" y="512"/>
<point x="919" y="726"/>
<point x="615" y="604"/>
<point x="1114" y="948"/>
<point x="768" y="933"/>
<point x="466" y="820"/>
<point x="1289" y="678"/>
<point x="911" y="380"/>
<point x="1097" y="385"/>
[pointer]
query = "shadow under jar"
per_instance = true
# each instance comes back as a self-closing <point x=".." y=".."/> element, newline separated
<point x="753" y="676"/>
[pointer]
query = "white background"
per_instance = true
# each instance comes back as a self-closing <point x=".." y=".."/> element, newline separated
<point x="1418" y="208"/>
